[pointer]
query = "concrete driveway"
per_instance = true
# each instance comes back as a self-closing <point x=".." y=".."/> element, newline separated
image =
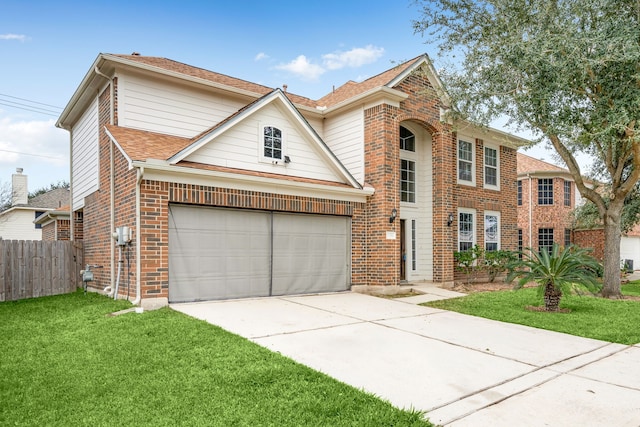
<point x="463" y="370"/>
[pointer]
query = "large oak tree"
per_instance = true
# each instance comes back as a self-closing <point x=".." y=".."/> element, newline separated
<point x="566" y="70"/>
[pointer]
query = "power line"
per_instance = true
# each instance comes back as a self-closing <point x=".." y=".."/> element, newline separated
<point x="33" y="102"/>
<point x="28" y="107"/>
<point x="31" y="154"/>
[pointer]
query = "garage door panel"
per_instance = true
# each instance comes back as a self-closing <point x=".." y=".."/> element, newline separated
<point x="210" y="256"/>
<point x="311" y="254"/>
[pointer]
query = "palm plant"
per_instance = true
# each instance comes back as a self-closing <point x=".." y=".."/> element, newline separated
<point x="556" y="272"/>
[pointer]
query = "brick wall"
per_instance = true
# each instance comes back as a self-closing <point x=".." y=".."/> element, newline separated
<point x="593" y="239"/>
<point x="49" y="231"/>
<point x="154" y="219"/>
<point x="63" y="230"/>
<point x="382" y="172"/>
<point x="556" y="216"/>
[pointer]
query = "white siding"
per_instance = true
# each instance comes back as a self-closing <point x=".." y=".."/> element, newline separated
<point x="422" y="210"/>
<point x="317" y="125"/>
<point x="18" y="225"/>
<point x="630" y="249"/>
<point x="157" y="106"/>
<point x="239" y="147"/>
<point x="85" y="172"/>
<point x="344" y="134"/>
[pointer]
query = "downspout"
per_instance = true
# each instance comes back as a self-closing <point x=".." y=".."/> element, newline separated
<point x="112" y="215"/>
<point x="530" y="209"/>
<point x="72" y="226"/>
<point x="140" y="174"/>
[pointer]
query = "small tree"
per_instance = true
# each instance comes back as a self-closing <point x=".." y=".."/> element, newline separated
<point x="467" y="261"/>
<point x="496" y="262"/>
<point x="556" y="273"/>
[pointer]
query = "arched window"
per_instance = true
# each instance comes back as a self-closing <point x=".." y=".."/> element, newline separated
<point x="407" y="140"/>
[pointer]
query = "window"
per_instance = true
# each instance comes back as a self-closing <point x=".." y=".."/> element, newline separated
<point x="465" y="162"/>
<point x="519" y="193"/>
<point x="567" y="237"/>
<point x="466" y="230"/>
<point x="492" y="231"/>
<point x="413" y="244"/>
<point x="407" y="140"/>
<point x="545" y="191"/>
<point x="38" y="213"/>
<point x="520" y="243"/>
<point x="545" y="239"/>
<point x="407" y="181"/>
<point x="567" y="193"/>
<point x="491" y="167"/>
<point x="272" y="143"/>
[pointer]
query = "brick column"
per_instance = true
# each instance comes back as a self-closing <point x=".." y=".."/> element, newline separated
<point x="382" y="157"/>
<point x="445" y="238"/>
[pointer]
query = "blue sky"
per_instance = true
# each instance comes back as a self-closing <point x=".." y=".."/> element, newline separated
<point x="47" y="47"/>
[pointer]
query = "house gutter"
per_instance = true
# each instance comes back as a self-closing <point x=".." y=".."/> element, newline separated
<point x="139" y="175"/>
<point x="112" y="203"/>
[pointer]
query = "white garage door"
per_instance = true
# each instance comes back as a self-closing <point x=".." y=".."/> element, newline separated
<point x="218" y="253"/>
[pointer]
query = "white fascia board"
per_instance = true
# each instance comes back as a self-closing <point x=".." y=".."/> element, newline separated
<point x="496" y="135"/>
<point x="115" y="142"/>
<point x="159" y="171"/>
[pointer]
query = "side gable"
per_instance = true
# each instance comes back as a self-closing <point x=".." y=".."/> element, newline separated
<point x="237" y="143"/>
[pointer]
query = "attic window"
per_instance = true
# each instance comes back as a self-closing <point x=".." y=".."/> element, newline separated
<point x="272" y="143"/>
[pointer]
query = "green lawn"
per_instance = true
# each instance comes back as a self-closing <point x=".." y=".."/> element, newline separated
<point x="613" y="321"/>
<point x="65" y="363"/>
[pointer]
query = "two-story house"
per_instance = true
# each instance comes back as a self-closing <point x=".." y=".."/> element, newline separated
<point x="232" y="189"/>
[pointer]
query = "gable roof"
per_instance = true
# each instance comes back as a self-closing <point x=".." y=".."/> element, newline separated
<point x="530" y="165"/>
<point x="140" y="145"/>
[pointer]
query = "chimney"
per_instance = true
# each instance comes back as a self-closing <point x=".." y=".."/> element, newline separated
<point x="19" y="191"/>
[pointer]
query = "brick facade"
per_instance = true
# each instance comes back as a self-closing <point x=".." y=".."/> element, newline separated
<point x="375" y="257"/>
<point x="534" y="216"/>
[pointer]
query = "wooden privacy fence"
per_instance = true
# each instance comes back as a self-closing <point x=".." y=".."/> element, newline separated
<point x="36" y="268"/>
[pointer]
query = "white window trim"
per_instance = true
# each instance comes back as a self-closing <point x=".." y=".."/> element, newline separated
<point x="484" y="166"/>
<point x="475" y="226"/>
<point x="473" y="161"/>
<point x="415" y="182"/>
<point x="261" y="157"/>
<point x="496" y="214"/>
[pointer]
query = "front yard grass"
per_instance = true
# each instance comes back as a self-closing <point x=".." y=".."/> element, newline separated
<point x="65" y="363"/>
<point x="590" y="317"/>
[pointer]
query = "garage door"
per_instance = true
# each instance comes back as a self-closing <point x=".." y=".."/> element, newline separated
<point x="217" y="253"/>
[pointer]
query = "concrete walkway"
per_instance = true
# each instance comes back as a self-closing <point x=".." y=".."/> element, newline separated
<point x="463" y="370"/>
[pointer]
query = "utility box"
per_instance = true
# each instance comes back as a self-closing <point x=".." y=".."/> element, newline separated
<point x="628" y="265"/>
<point x="122" y="235"/>
<point x="87" y="276"/>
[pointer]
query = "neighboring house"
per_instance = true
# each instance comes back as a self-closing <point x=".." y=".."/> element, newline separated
<point x="18" y="222"/>
<point x="55" y="224"/>
<point x="232" y="189"/>
<point x="546" y="196"/>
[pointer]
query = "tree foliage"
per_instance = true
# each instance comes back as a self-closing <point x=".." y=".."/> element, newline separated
<point x="566" y="70"/>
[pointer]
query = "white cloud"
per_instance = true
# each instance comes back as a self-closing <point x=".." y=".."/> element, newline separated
<point x="20" y="37"/>
<point x="303" y="68"/>
<point x="353" y="58"/>
<point x="35" y="145"/>
<point x="261" y="56"/>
